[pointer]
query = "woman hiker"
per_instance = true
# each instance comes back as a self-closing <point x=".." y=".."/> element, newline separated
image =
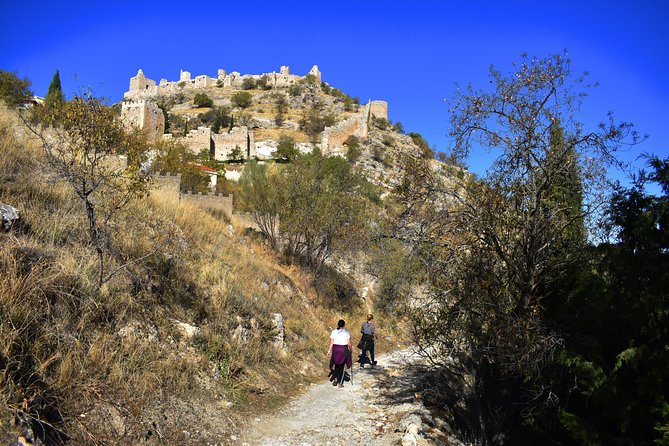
<point x="340" y="349"/>
<point x="368" y="331"/>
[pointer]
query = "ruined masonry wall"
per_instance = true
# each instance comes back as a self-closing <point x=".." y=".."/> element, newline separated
<point x="379" y="109"/>
<point x="333" y="138"/>
<point x="198" y="140"/>
<point x="168" y="184"/>
<point x="143" y="87"/>
<point x="144" y="115"/>
<point x="225" y="142"/>
<point x="170" y="188"/>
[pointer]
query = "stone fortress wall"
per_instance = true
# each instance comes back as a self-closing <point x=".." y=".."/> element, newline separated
<point x="170" y="188"/>
<point x="143" y="87"/>
<point x="139" y="110"/>
<point x="220" y="145"/>
<point x="333" y="138"/>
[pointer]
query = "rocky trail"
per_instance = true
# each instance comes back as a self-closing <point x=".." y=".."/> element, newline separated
<point x="379" y="407"/>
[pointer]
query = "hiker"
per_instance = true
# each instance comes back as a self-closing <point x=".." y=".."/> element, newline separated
<point x="366" y="344"/>
<point x="340" y="349"/>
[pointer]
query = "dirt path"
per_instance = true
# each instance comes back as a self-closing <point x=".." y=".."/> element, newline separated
<point x="360" y="413"/>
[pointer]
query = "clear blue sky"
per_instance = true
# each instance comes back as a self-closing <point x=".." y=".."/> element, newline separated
<point x="408" y="53"/>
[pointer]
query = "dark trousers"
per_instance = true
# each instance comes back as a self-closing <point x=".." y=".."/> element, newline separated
<point x="364" y="359"/>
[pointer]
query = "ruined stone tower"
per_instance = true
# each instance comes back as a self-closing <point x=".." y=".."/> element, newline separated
<point x="145" y="115"/>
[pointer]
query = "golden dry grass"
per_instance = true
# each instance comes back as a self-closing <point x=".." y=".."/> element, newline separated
<point x="66" y="345"/>
<point x="274" y="134"/>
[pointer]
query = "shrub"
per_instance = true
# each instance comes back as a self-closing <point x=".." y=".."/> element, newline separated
<point x="281" y="105"/>
<point x="13" y="90"/>
<point x="201" y="100"/>
<point x="241" y="99"/>
<point x="422" y="144"/>
<point x="263" y="83"/>
<point x="388" y="140"/>
<point x="380" y="123"/>
<point x="295" y="90"/>
<point x="286" y="151"/>
<point x="354" y="151"/>
<point x="248" y="83"/>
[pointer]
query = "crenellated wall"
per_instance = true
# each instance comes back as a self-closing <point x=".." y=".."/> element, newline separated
<point x="143" y="87"/>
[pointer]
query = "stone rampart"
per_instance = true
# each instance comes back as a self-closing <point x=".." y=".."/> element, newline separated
<point x="143" y="87"/>
<point x="168" y="184"/>
<point x="333" y="138"/>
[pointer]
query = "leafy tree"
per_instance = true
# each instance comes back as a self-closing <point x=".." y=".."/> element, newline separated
<point x="309" y="79"/>
<point x="425" y="150"/>
<point x="281" y="105"/>
<point x="492" y="248"/>
<point x="264" y="83"/>
<point x="172" y="156"/>
<point x="217" y="118"/>
<point x="295" y="90"/>
<point x="380" y="123"/>
<point x="354" y="151"/>
<point x="14" y="91"/>
<point x="313" y="120"/>
<point x="614" y="323"/>
<point x="286" y="151"/>
<point x="241" y="99"/>
<point x="83" y="153"/>
<point x="236" y="155"/>
<point x="399" y="127"/>
<point x="260" y="194"/>
<point x="323" y="211"/>
<point x="201" y="100"/>
<point x="248" y="83"/>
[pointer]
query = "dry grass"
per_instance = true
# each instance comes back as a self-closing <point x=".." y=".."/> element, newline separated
<point x="67" y="347"/>
<point x="275" y="134"/>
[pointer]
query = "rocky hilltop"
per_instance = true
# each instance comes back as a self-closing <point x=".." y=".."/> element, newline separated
<point x="235" y="116"/>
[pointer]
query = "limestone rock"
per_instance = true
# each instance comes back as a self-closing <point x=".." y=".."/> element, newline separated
<point x="409" y="439"/>
<point x="279" y="330"/>
<point x="9" y="217"/>
<point x="187" y="331"/>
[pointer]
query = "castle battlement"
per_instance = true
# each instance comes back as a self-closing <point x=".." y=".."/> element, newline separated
<point x="143" y="87"/>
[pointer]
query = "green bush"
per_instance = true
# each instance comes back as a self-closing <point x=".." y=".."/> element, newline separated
<point x="264" y="83"/>
<point x="286" y="151"/>
<point x="248" y="83"/>
<point x="354" y="151"/>
<point x="241" y="99"/>
<point x="13" y="90"/>
<point x="295" y="90"/>
<point x="201" y="100"/>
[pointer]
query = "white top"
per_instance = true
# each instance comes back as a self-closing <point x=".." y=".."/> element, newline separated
<point x="340" y="337"/>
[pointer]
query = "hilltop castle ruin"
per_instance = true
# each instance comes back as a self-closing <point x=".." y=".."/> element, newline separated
<point x="139" y="109"/>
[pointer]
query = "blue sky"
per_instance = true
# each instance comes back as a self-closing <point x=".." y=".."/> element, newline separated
<point x="409" y="53"/>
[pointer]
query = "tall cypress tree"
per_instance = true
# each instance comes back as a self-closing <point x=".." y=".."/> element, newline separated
<point x="55" y="93"/>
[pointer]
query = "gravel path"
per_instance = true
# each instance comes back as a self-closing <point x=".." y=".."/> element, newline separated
<point x="353" y="415"/>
